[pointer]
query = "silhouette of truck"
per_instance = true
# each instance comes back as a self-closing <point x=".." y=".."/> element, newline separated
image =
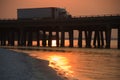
<point x="42" y="13"/>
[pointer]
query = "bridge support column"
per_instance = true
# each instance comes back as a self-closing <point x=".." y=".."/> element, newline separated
<point x="98" y="38"/>
<point x="19" y="38"/>
<point x="3" y="38"/>
<point x="86" y="39"/>
<point x="50" y="39"/>
<point x="95" y="38"/>
<point x="0" y="38"/>
<point x="71" y="38"/>
<point x="62" y="39"/>
<point x="119" y="37"/>
<point x="102" y="39"/>
<point x="80" y="39"/>
<point x="89" y="38"/>
<point x="24" y="38"/>
<point x="30" y="36"/>
<point x="11" y="36"/>
<point x="108" y="37"/>
<point x="57" y="38"/>
<point x="44" y="39"/>
<point x="88" y="35"/>
<point x="38" y="38"/>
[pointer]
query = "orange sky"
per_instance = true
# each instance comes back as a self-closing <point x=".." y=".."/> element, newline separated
<point x="74" y="7"/>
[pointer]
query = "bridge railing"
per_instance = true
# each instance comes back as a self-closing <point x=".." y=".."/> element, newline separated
<point x="88" y="16"/>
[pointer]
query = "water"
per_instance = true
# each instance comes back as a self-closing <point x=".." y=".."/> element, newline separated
<point x="82" y="64"/>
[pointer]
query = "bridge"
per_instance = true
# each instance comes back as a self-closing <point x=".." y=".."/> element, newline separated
<point x="22" y="31"/>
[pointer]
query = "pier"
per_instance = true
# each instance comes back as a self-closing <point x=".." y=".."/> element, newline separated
<point x="25" y="31"/>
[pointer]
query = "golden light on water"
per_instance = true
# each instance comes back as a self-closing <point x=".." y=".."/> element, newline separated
<point x="61" y="65"/>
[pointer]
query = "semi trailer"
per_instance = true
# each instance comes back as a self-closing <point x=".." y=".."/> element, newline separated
<point x="42" y="13"/>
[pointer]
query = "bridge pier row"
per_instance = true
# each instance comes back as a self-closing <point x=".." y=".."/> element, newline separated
<point x="88" y="36"/>
<point x="38" y="38"/>
<point x="11" y="36"/>
<point x="98" y="41"/>
<point x="44" y="38"/>
<point x="30" y="38"/>
<point x="62" y="39"/>
<point x="57" y="38"/>
<point x="80" y="39"/>
<point x="119" y="37"/>
<point x="71" y="38"/>
<point x="108" y="37"/>
<point x="50" y="39"/>
<point x="3" y="38"/>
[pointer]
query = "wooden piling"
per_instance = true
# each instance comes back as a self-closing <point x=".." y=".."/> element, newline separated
<point x="102" y="39"/>
<point x="98" y="38"/>
<point x="62" y="39"/>
<point x="0" y="38"/>
<point x="89" y="38"/>
<point x="71" y="38"/>
<point x="11" y="36"/>
<point x="57" y="38"/>
<point x="88" y="35"/>
<point x="30" y="38"/>
<point x="95" y="38"/>
<point x="86" y="40"/>
<point x="119" y="37"/>
<point x="108" y="36"/>
<point x="18" y="38"/>
<point x="38" y="38"/>
<point x="80" y="39"/>
<point x="50" y="39"/>
<point x="44" y="38"/>
<point x="21" y="38"/>
<point x="3" y="38"/>
<point x="24" y="38"/>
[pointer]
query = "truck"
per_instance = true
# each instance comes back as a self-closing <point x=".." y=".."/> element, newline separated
<point x="42" y="13"/>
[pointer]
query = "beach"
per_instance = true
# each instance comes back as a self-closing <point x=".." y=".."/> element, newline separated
<point x="20" y="66"/>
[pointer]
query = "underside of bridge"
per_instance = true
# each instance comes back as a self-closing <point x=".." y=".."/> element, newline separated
<point x="25" y="32"/>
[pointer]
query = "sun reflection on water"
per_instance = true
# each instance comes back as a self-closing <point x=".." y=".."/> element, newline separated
<point x="61" y="65"/>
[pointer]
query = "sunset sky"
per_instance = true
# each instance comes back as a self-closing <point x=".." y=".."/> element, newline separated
<point x="8" y="8"/>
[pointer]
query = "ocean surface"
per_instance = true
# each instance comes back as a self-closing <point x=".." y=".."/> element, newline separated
<point x="81" y="63"/>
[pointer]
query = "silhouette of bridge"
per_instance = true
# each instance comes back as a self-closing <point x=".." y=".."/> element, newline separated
<point x="22" y="31"/>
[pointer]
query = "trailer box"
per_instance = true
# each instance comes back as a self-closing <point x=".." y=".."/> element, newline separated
<point x="41" y="13"/>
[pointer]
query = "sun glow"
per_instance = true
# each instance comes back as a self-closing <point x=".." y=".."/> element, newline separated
<point x="60" y="64"/>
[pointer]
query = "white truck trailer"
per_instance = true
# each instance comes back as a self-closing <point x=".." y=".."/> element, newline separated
<point x="42" y="13"/>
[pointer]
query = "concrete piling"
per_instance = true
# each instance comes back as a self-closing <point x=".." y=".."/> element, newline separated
<point x="62" y="38"/>
<point x="80" y="39"/>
